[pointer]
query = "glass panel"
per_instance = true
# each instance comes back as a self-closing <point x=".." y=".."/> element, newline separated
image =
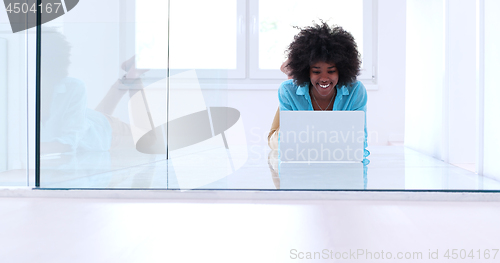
<point x="204" y="34"/>
<point x="13" y="104"/>
<point x="108" y="107"/>
<point x="99" y="108"/>
<point x="276" y="28"/>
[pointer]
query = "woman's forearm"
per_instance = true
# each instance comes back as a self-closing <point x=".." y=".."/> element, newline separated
<point x="273" y="140"/>
<point x="111" y="99"/>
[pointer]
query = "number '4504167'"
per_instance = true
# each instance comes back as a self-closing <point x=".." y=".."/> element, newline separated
<point x="25" y="8"/>
<point x="478" y="254"/>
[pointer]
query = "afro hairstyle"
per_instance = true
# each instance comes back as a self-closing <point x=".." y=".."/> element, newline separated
<point x="322" y="43"/>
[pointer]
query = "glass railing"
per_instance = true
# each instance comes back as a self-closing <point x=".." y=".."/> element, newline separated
<point x="149" y="94"/>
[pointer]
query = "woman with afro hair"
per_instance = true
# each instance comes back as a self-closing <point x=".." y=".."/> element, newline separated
<point x="323" y="63"/>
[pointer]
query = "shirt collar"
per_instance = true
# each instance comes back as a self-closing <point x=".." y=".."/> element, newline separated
<point x="344" y="90"/>
<point x="302" y="90"/>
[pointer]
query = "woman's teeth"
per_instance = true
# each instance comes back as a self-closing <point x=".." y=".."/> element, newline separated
<point x="324" y="86"/>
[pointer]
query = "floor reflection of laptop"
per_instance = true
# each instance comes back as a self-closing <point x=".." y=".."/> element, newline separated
<point x="321" y="176"/>
<point x="321" y="149"/>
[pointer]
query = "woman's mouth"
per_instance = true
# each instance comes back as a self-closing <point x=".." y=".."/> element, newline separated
<point x="324" y="86"/>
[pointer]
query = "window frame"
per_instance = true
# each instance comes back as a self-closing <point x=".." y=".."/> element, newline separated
<point x="248" y="43"/>
<point x="369" y="47"/>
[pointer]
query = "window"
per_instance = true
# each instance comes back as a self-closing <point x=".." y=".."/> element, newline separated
<point x="211" y="36"/>
<point x="272" y="23"/>
<point x="205" y="35"/>
<point x="208" y="36"/>
<point x="150" y="46"/>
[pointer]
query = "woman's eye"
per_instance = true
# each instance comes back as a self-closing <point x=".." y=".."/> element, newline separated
<point x="316" y="72"/>
<point x="331" y="72"/>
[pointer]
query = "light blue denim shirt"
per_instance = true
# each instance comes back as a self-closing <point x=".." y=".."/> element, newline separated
<point x="349" y="98"/>
<point x="70" y="121"/>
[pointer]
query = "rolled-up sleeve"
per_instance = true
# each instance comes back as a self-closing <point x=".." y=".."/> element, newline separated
<point x="284" y="97"/>
<point x="359" y="104"/>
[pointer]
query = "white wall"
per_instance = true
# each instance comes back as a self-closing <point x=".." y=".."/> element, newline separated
<point x="424" y="75"/>
<point x="16" y="135"/>
<point x="441" y="79"/>
<point x="386" y="106"/>
<point x="3" y="104"/>
<point x="492" y="89"/>
<point x="461" y="81"/>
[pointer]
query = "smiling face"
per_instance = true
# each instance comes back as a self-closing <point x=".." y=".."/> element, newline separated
<point x="324" y="76"/>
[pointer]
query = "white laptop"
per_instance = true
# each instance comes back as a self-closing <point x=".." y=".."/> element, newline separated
<point x="321" y="136"/>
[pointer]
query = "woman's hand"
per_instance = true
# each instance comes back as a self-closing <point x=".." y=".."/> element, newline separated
<point x="132" y="79"/>
<point x="132" y="72"/>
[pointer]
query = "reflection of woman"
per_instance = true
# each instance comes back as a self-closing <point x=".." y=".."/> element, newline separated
<point x="66" y="122"/>
<point x="323" y="62"/>
<point x="273" y="163"/>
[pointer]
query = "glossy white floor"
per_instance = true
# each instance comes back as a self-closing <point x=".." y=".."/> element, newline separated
<point x="390" y="168"/>
<point x="109" y="230"/>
